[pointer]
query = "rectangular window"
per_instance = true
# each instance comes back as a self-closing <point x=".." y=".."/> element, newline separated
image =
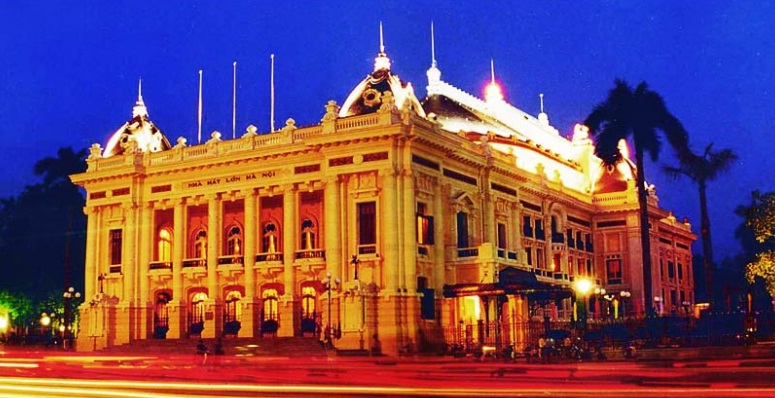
<point x="501" y="236"/>
<point x="680" y="271"/>
<point x="527" y="227"/>
<point x="579" y="241"/>
<point x="367" y="223"/>
<point x="116" y="242"/>
<point x="462" y="229"/>
<point x="424" y="225"/>
<point x="670" y="269"/>
<point x="614" y="270"/>
<point x="539" y="229"/>
<point x="529" y="252"/>
<point x="540" y="260"/>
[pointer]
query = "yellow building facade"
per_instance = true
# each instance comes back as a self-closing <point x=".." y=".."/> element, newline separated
<point x="393" y="221"/>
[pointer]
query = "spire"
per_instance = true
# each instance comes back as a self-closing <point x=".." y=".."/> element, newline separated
<point x="492" y="93"/>
<point x="139" y="109"/>
<point x="543" y="117"/>
<point x="433" y="73"/>
<point x="382" y="61"/>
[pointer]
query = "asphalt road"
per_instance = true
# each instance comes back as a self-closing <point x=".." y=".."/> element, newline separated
<point x="24" y="374"/>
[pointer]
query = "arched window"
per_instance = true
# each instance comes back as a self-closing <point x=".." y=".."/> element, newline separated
<point x="270" y="304"/>
<point x="269" y="241"/>
<point x="308" y="302"/>
<point x="234" y="241"/>
<point x="161" y="312"/>
<point x="200" y="244"/>
<point x="233" y="310"/>
<point x="307" y="235"/>
<point x="198" y="307"/>
<point x="164" y="245"/>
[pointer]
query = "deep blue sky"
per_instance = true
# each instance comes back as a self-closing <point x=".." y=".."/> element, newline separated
<point x="69" y="70"/>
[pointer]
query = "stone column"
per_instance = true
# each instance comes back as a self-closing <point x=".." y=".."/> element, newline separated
<point x="91" y="285"/>
<point x="410" y="239"/>
<point x="333" y="232"/>
<point x="248" y="316"/>
<point x="438" y="239"/>
<point x="391" y="260"/>
<point x="290" y="227"/>
<point x="127" y="254"/>
<point x="145" y="234"/>
<point x="213" y="326"/>
<point x="176" y="313"/>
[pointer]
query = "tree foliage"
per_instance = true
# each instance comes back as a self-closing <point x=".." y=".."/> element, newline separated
<point x="42" y="229"/>
<point x="760" y="219"/>
<point x="641" y="116"/>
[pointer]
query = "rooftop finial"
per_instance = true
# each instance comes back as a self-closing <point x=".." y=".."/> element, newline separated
<point x="493" y="93"/>
<point x="382" y="61"/>
<point x="381" y="40"/>
<point x="139" y="109"/>
<point x="140" y="91"/>
<point x="433" y="47"/>
<point x="492" y="71"/>
<point x="543" y="117"/>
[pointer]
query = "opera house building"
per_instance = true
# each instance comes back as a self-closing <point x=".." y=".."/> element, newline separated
<point x="394" y="220"/>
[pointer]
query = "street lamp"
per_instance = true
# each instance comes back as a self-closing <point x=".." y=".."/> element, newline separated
<point x="599" y="292"/>
<point x="624" y="294"/>
<point x="328" y="285"/>
<point x="658" y="305"/>
<point x="582" y="287"/>
<point x="67" y="332"/>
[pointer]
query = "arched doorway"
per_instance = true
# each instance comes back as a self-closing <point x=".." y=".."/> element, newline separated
<point x="161" y="316"/>
<point x="196" y="318"/>
<point x="232" y="314"/>
<point x="270" y="321"/>
<point x="309" y="313"/>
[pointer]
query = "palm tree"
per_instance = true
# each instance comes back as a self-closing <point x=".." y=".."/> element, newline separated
<point x="56" y="170"/>
<point x="640" y="115"/>
<point x="703" y="169"/>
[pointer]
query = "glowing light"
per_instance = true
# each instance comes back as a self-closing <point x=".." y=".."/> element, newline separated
<point x="493" y="93"/>
<point x="3" y="322"/>
<point x="583" y="286"/>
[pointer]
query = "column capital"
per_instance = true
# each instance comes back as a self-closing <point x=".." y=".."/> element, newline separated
<point x="90" y="210"/>
<point x="387" y="172"/>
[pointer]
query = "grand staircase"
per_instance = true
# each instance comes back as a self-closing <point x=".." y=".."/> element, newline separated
<point x="267" y="346"/>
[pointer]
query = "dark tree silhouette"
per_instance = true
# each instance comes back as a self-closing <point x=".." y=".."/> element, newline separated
<point x="42" y="230"/>
<point x="703" y="169"/>
<point x="639" y="115"/>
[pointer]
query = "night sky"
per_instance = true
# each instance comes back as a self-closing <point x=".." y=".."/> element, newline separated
<point x="69" y="70"/>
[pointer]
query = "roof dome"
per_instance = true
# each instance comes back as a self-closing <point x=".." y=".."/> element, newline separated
<point x="139" y="133"/>
<point x="615" y="178"/>
<point x="367" y="96"/>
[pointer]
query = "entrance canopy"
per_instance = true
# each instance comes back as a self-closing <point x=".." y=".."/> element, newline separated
<point x="510" y="281"/>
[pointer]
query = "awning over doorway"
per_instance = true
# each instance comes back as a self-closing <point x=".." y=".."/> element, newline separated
<point x="510" y="281"/>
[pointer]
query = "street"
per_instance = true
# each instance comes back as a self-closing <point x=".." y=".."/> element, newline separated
<point x="54" y="374"/>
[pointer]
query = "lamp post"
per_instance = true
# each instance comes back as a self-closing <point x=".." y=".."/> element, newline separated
<point x="45" y="322"/>
<point x="67" y="332"/>
<point x="355" y="261"/>
<point x="658" y="305"/>
<point x="623" y="295"/>
<point x="582" y="287"/>
<point x="599" y="293"/>
<point x="328" y="285"/>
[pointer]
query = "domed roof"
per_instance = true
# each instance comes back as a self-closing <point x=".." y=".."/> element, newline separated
<point x="139" y="133"/>
<point x="367" y="96"/>
<point x="615" y="178"/>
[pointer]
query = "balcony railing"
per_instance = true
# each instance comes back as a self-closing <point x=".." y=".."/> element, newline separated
<point x="233" y="259"/>
<point x="267" y="257"/>
<point x="194" y="262"/>
<point x="115" y="269"/>
<point x="367" y="249"/>
<point x="314" y="253"/>
<point x="468" y="252"/>
<point x="160" y="265"/>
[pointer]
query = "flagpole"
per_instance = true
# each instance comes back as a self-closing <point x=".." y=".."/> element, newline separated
<point x="199" y="119"/>
<point x="271" y="101"/>
<point x="234" y="104"/>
